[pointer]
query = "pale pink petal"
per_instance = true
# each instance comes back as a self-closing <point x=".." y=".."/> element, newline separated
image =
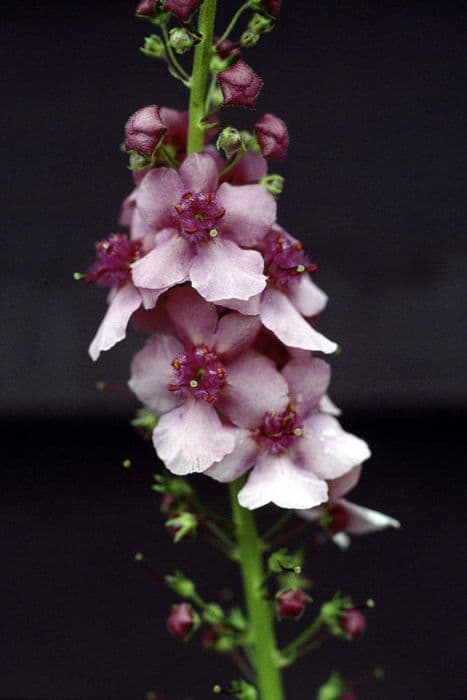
<point x="222" y="270"/>
<point x="113" y="327"/>
<point x="152" y="372"/>
<point x="127" y="209"/>
<point x="235" y="333"/>
<point x="308" y="380"/>
<point x="199" y="173"/>
<point x="254" y="387"/>
<point x="150" y="296"/>
<point x="237" y="462"/>
<point x="328" y="406"/>
<point x="280" y="316"/>
<point x="276" y="479"/>
<point x="191" y="438"/>
<point x="327" y="450"/>
<point x="157" y="195"/>
<point x="139" y="228"/>
<point x="339" y="487"/>
<point x="307" y="298"/>
<point x="251" y="168"/>
<point x="363" y="520"/>
<point x="250" y="212"/>
<point x="194" y="319"/>
<point x="250" y="307"/>
<point x="166" y="265"/>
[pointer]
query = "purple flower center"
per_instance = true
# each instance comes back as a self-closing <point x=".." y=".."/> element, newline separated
<point x="114" y="258"/>
<point x="197" y="216"/>
<point x="278" y="431"/>
<point x="198" y="373"/>
<point x="284" y="260"/>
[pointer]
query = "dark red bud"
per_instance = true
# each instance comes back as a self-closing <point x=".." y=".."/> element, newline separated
<point x="273" y="137"/>
<point x="181" y="621"/>
<point x="146" y="8"/>
<point x="182" y="8"/>
<point x="210" y="637"/>
<point x="240" y="85"/>
<point x="353" y="623"/>
<point x="340" y="518"/>
<point x="291" y="603"/>
<point x="144" y="131"/>
<point x="228" y="48"/>
<point x="272" y="7"/>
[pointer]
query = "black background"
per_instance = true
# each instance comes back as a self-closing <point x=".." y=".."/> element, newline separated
<point x="373" y="97"/>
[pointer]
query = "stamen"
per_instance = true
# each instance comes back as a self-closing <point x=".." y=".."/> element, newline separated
<point x="213" y="233"/>
<point x="193" y="384"/>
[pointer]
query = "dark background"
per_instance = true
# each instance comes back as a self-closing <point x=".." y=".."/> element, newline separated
<point x="373" y="94"/>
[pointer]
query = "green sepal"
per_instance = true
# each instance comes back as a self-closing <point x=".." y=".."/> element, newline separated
<point x="273" y="183"/>
<point x="243" y="691"/>
<point x="145" y="421"/>
<point x="153" y="46"/>
<point x="332" y="611"/>
<point x="181" y="585"/>
<point x="185" y="524"/>
<point x="333" y="689"/>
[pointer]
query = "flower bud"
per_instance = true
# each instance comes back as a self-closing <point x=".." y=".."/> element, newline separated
<point x="259" y="24"/>
<point x="182" y="525"/>
<point x="273" y="183"/>
<point x="227" y="49"/>
<point x="146" y="8"/>
<point x="182" y="9"/>
<point x="153" y="46"/>
<point x="181" y="40"/>
<point x="182" y="621"/>
<point x="144" y="131"/>
<point x="145" y="421"/>
<point x="243" y="691"/>
<point x="333" y="689"/>
<point x="272" y="7"/>
<point x="291" y="603"/>
<point x="272" y="135"/>
<point x="183" y="586"/>
<point x="352" y="623"/>
<point x="249" y="39"/>
<point x="240" y="85"/>
<point x="230" y="141"/>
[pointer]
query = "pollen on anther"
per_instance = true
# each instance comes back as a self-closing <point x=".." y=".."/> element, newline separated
<point x="297" y="432"/>
<point x="300" y="268"/>
<point x="176" y="363"/>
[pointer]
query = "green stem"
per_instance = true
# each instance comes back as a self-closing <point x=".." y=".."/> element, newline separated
<point x="233" y="22"/>
<point x="263" y="642"/>
<point x="200" y="75"/>
<point x="289" y="653"/>
<point x="182" y="74"/>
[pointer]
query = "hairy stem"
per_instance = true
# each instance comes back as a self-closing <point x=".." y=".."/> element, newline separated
<point x="260" y="614"/>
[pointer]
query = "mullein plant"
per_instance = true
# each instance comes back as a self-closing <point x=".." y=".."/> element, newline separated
<point x="230" y="380"/>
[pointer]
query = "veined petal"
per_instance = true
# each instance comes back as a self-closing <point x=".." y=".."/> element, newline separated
<point x="195" y="320"/>
<point x="327" y="450"/>
<point x="166" y="265"/>
<point x="363" y="520"/>
<point x="276" y="479"/>
<point x="237" y="462"/>
<point x="113" y="327"/>
<point x="250" y="212"/>
<point x="280" y="316"/>
<point x="222" y="270"/>
<point x="199" y="173"/>
<point x="191" y="437"/>
<point x="251" y="168"/>
<point x="254" y="387"/>
<point x="308" y="381"/>
<point x="235" y="333"/>
<point x="339" y="487"/>
<point x="156" y="196"/>
<point x="151" y="373"/>
<point x="250" y="307"/>
<point x="307" y="298"/>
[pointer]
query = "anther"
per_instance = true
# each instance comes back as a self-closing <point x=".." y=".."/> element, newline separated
<point x="297" y="432"/>
<point x="126" y="464"/>
<point x="213" y="233"/>
<point x="78" y="276"/>
<point x="300" y="268"/>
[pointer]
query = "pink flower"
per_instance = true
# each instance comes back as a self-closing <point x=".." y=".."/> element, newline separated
<point x="200" y="230"/>
<point x="187" y="378"/>
<point x="347" y="518"/>
<point x="240" y="85"/>
<point x="294" y="446"/>
<point x="289" y="295"/>
<point x="112" y="268"/>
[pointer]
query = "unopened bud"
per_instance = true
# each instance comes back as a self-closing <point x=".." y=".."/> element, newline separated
<point x="249" y="39"/>
<point x="153" y="47"/>
<point x="333" y="689"/>
<point x="182" y="9"/>
<point x="259" y="24"/>
<point x="183" y="586"/>
<point x="273" y="183"/>
<point x="240" y="85"/>
<point x="291" y="603"/>
<point x="146" y="8"/>
<point x="273" y="137"/>
<point x="144" y="131"/>
<point x="181" y="40"/>
<point x="182" y="621"/>
<point x="145" y="422"/>
<point x="352" y="623"/>
<point x="243" y="691"/>
<point x="182" y="525"/>
<point x="272" y="7"/>
<point x="230" y="141"/>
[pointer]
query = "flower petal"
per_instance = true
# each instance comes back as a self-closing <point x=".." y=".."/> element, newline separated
<point x="235" y="333"/>
<point x="328" y="406"/>
<point x="277" y="479"/>
<point x="339" y="487"/>
<point x="254" y="386"/>
<point x="363" y="520"/>
<point x="250" y="307"/>
<point x="166" y="265"/>
<point x="156" y="196"/>
<point x="199" y="173"/>
<point x="308" y="381"/>
<point x="251" y="168"/>
<point x="307" y="298"/>
<point x="194" y="319"/>
<point x="222" y="270"/>
<point x="151" y="373"/>
<point x="237" y="462"/>
<point x="280" y="316"/>
<point x="191" y="438"/>
<point x="327" y="450"/>
<point x="250" y="212"/>
<point x="113" y="326"/>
